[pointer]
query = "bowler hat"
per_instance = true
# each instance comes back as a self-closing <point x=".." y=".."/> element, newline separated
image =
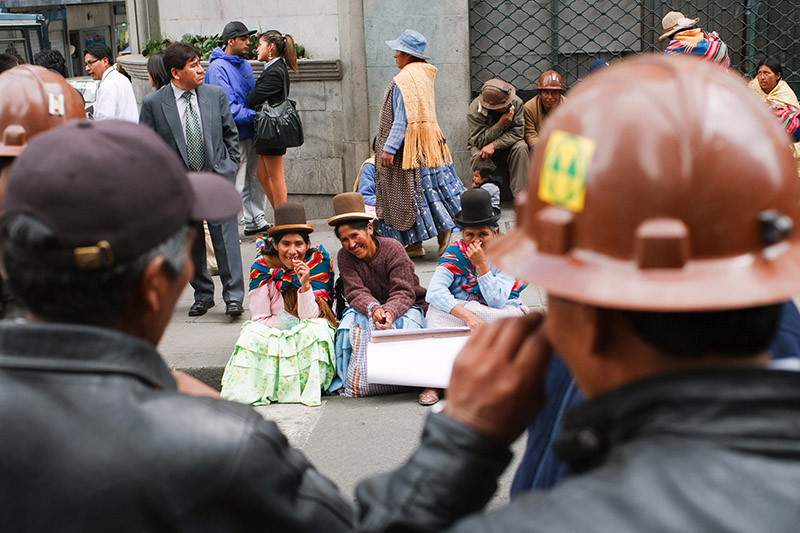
<point x="348" y="206"/>
<point x="476" y="209"/>
<point x="233" y="30"/>
<point x="102" y="214"/>
<point x="674" y="22"/>
<point x="496" y="94"/>
<point x="289" y="217"/>
<point x="411" y="42"/>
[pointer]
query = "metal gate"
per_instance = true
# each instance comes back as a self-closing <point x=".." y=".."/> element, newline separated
<point x="517" y="40"/>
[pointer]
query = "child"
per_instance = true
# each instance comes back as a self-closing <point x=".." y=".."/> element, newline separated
<point x="483" y="177"/>
<point x="365" y="182"/>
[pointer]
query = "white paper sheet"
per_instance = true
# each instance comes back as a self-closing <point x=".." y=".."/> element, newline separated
<point x="418" y="358"/>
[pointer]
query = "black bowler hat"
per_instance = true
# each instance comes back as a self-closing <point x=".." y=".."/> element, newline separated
<point x="476" y="209"/>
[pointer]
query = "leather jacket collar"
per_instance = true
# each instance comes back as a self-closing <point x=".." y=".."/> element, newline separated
<point x="737" y="406"/>
<point x="59" y="347"/>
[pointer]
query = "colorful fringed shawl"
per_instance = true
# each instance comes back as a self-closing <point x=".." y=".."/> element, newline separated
<point x="696" y="42"/>
<point x="455" y="260"/>
<point x="424" y="143"/>
<point x="319" y="263"/>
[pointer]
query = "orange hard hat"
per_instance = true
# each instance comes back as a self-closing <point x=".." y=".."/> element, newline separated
<point x="550" y="79"/>
<point x="648" y="193"/>
<point x="34" y="100"/>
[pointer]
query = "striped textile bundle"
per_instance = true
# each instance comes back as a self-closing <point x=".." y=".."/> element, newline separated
<point x="789" y="117"/>
<point x="708" y="46"/>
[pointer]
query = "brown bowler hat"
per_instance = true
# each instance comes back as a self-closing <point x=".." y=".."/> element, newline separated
<point x="290" y="216"/>
<point x="348" y="206"/>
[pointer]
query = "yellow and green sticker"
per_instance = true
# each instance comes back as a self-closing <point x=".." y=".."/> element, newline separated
<point x="567" y="159"/>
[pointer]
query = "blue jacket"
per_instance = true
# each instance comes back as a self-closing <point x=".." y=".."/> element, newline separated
<point x="235" y="76"/>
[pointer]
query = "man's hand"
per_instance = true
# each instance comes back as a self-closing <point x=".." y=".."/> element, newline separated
<point x="303" y="274"/>
<point x="192" y="386"/>
<point x="387" y="160"/>
<point x="487" y="151"/>
<point x="383" y="319"/>
<point x="506" y="118"/>
<point x="476" y="254"/>
<point x="497" y="385"/>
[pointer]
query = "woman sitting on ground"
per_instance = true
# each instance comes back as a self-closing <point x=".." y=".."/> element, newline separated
<point x="285" y="354"/>
<point x="466" y="289"/>
<point x="380" y="286"/>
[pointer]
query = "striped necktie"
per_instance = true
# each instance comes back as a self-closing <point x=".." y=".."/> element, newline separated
<point x="194" y="137"/>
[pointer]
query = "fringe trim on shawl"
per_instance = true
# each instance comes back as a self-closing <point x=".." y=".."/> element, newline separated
<point x="424" y="142"/>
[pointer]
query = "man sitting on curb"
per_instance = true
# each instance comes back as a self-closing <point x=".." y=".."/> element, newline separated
<point x="496" y="129"/>
<point x="546" y="100"/>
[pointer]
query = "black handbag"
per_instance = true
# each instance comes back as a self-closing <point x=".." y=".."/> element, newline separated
<point x="279" y="126"/>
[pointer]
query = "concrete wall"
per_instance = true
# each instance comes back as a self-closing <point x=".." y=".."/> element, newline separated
<point x="445" y="24"/>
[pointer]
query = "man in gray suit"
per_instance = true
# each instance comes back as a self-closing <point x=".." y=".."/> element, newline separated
<point x="195" y="120"/>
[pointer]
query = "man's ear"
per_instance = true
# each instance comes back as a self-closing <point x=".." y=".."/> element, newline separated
<point x="154" y="284"/>
<point x="594" y="325"/>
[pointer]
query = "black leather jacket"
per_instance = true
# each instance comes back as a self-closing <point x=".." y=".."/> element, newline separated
<point x="96" y="438"/>
<point x="704" y="452"/>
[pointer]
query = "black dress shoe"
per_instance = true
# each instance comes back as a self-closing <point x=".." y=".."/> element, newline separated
<point x="199" y="308"/>
<point x="234" y="309"/>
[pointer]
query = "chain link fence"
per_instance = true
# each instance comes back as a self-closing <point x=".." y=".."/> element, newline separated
<point x="517" y="40"/>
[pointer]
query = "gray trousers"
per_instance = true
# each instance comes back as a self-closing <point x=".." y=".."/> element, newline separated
<point x="516" y="158"/>
<point x="253" y="197"/>
<point x="225" y="239"/>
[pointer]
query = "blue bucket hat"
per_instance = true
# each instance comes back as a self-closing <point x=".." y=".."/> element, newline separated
<point x="411" y="42"/>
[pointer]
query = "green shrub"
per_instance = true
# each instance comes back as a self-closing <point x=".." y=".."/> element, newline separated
<point x="206" y="44"/>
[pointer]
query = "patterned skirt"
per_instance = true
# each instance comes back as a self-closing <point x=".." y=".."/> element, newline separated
<point x="274" y="365"/>
<point x="352" y="338"/>
<point x="441" y="199"/>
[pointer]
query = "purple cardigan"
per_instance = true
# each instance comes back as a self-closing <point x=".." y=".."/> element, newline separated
<point x="389" y="279"/>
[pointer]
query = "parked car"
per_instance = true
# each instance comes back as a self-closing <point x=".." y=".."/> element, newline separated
<point x="88" y="89"/>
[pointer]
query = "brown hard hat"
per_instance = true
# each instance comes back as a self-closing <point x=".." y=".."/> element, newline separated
<point x="496" y="94"/>
<point x="649" y="194"/>
<point x="34" y="100"/>
<point x="550" y="79"/>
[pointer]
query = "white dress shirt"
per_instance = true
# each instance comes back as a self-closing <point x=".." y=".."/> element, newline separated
<point x="115" y="98"/>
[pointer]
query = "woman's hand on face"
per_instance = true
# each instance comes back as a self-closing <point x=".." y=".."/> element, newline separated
<point x="387" y="160"/>
<point x="303" y="274"/>
<point x="383" y="319"/>
<point x="476" y="254"/>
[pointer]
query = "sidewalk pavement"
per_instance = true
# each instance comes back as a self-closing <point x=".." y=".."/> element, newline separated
<point x="346" y="439"/>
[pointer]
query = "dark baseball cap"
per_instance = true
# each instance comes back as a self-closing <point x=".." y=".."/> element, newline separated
<point x="234" y="29"/>
<point x="110" y="190"/>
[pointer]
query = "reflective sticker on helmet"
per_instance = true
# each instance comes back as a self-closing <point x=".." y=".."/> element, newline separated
<point x="567" y="159"/>
<point x="56" y="102"/>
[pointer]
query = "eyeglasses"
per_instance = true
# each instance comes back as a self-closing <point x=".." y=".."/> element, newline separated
<point x="91" y="62"/>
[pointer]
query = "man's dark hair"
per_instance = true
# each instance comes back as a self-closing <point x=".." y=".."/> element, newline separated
<point x="100" y="50"/>
<point x="53" y="60"/>
<point x="773" y="64"/>
<point x="7" y="61"/>
<point x="177" y="55"/>
<point x="735" y="333"/>
<point x="358" y="225"/>
<point x="485" y="167"/>
<point x="94" y="297"/>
